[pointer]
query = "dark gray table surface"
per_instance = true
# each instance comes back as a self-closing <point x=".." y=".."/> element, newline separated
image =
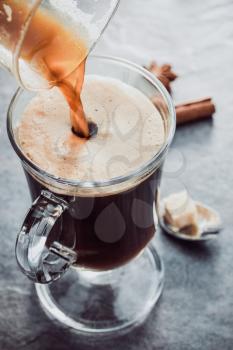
<point x="196" y="308"/>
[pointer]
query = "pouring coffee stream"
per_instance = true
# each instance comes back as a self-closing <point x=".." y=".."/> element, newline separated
<point x="71" y="88"/>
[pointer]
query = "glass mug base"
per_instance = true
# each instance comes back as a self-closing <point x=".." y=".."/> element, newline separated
<point x="105" y="302"/>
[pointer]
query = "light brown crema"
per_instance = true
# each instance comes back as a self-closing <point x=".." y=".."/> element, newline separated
<point x="130" y="132"/>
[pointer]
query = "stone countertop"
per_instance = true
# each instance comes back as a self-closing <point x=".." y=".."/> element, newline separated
<point x="196" y="308"/>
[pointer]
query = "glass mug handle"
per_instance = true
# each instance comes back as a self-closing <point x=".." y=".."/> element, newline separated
<point x="40" y="263"/>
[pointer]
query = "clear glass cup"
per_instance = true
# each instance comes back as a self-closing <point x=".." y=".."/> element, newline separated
<point x="117" y="288"/>
<point x="30" y="30"/>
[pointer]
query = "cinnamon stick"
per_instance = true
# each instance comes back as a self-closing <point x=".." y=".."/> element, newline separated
<point x="194" y="110"/>
<point x="164" y="73"/>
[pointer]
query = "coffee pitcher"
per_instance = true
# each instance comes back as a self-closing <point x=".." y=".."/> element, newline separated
<point x="40" y="36"/>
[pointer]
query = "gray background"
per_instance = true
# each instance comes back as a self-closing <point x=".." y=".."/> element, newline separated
<point x="196" y="308"/>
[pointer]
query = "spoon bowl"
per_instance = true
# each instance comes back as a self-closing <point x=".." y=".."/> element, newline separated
<point x="209" y="225"/>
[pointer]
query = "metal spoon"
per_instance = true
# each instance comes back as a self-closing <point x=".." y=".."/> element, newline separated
<point x="209" y="225"/>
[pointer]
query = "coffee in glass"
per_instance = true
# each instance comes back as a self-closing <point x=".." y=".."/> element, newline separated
<point x="106" y="231"/>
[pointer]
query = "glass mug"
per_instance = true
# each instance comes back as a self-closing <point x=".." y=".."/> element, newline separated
<point x="99" y="233"/>
<point x="59" y="34"/>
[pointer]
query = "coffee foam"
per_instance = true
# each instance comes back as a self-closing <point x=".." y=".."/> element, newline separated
<point x="130" y="132"/>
